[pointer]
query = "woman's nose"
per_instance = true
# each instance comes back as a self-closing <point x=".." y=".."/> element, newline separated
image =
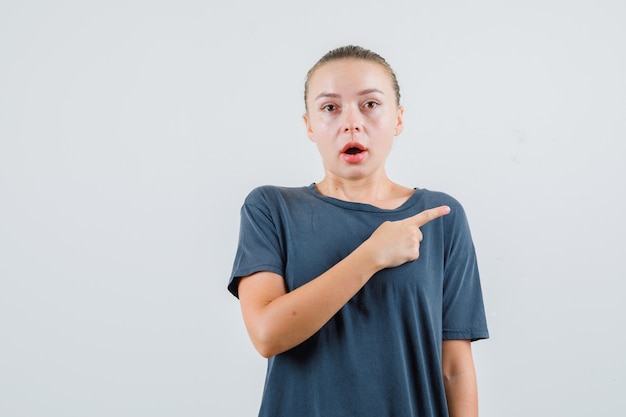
<point x="352" y="121"/>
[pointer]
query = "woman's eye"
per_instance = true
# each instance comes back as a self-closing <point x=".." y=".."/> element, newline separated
<point x="371" y="105"/>
<point x="329" y="107"/>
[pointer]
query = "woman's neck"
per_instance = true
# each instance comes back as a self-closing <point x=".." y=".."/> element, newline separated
<point x="380" y="192"/>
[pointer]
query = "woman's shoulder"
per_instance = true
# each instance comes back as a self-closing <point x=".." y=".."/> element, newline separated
<point x="265" y="194"/>
<point x="437" y="198"/>
<point x="456" y="219"/>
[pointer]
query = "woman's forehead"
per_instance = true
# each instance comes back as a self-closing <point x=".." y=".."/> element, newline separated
<point x="347" y="74"/>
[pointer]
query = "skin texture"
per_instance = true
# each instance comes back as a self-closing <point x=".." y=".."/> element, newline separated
<point x="459" y="378"/>
<point x="353" y="101"/>
<point x="351" y="104"/>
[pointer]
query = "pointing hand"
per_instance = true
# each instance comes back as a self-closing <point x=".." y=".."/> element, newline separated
<point x="397" y="242"/>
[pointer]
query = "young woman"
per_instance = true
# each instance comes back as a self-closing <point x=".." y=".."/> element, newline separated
<point x="364" y="294"/>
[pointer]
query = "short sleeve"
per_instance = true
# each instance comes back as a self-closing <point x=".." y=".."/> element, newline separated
<point x="259" y="247"/>
<point x="463" y="307"/>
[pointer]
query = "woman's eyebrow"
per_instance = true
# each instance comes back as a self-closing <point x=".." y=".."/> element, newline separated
<point x="370" y="90"/>
<point x="327" y="95"/>
<point x="360" y="93"/>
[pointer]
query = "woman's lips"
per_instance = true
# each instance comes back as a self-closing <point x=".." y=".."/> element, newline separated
<point x="353" y="152"/>
<point x="354" y="159"/>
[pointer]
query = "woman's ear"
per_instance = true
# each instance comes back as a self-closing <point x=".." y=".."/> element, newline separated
<point x="309" y="130"/>
<point x="399" y="122"/>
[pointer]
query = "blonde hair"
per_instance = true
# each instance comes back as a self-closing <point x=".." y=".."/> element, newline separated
<point x="352" y="52"/>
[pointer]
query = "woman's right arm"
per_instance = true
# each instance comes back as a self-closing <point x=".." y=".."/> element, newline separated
<point x="278" y="320"/>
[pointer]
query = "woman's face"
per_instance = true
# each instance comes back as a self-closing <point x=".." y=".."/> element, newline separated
<point x="353" y="117"/>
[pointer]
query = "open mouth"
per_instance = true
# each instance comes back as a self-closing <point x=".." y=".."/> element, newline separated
<point x="353" y="151"/>
<point x="353" y="148"/>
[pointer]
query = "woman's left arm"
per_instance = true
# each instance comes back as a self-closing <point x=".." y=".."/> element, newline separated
<point x="459" y="378"/>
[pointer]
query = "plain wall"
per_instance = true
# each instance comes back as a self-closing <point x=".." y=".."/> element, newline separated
<point x="131" y="131"/>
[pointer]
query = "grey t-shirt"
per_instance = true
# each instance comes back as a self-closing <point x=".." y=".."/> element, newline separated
<point x="380" y="355"/>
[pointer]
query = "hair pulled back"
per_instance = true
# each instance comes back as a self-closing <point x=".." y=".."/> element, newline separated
<point x="352" y="52"/>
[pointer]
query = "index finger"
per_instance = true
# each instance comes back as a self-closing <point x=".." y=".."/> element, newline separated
<point x="428" y="215"/>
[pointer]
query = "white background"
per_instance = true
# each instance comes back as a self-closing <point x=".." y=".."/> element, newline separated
<point x="131" y="131"/>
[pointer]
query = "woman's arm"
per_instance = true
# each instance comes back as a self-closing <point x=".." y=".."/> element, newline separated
<point x="459" y="378"/>
<point x="278" y="320"/>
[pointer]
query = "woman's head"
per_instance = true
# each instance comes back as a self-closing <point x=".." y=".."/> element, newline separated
<point x="352" y="52"/>
<point x="353" y="114"/>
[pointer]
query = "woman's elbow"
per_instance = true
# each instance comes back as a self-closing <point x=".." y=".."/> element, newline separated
<point x="267" y="349"/>
<point x="265" y="343"/>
